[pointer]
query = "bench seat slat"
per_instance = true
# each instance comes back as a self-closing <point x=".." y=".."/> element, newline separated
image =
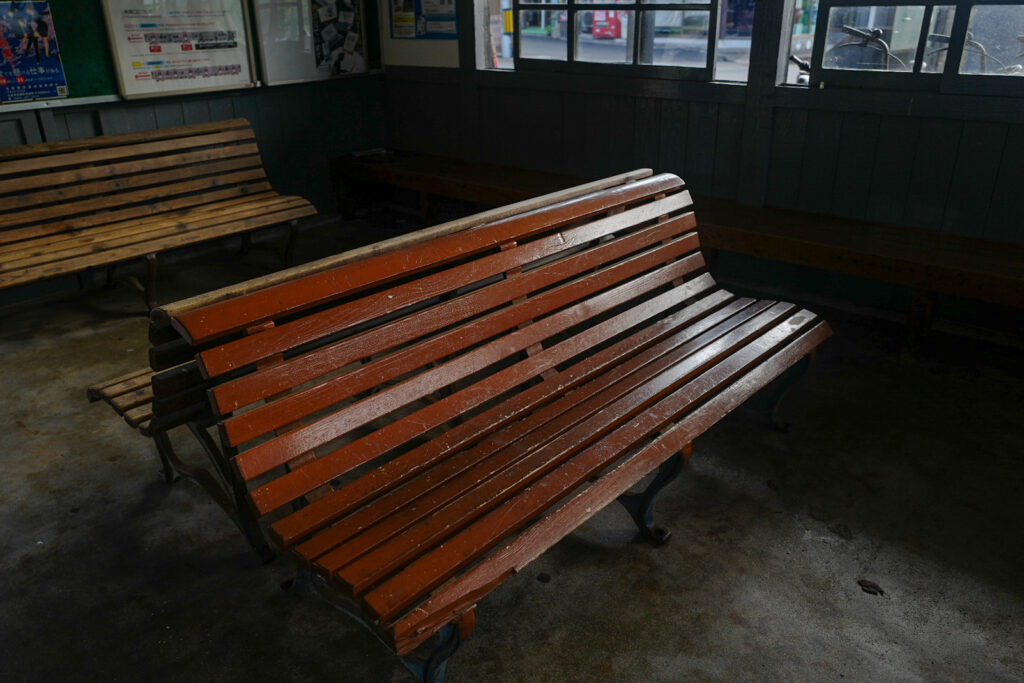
<point x="105" y="202"/>
<point x="299" y="482"/>
<point x="386" y="600"/>
<point x="155" y="245"/>
<point x="176" y="206"/>
<point x="264" y="457"/>
<point x="97" y="240"/>
<point x="463" y="592"/>
<point x="200" y="325"/>
<point x="132" y="399"/>
<point x="125" y="168"/>
<point x="279" y="413"/>
<point x="120" y="139"/>
<point x="533" y="430"/>
<point x="232" y="355"/>
<point x="327" y="510"/>
<point x="522" y="462"/>
<point x="104" y="153"/>
<point x="109" y="188"/>
<point x="176" y="217"/>
<point x="252" y="387"/>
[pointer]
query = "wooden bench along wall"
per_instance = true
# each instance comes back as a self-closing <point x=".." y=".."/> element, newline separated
<point x="929" y="262"/>
<point x="69" y="206"/>
<point x="417" y="425"/>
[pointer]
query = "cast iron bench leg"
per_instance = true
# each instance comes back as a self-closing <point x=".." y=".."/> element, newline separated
<point x="640" y="506"/>
<point x="166" y="452"/>
<point x="429" y="669"/>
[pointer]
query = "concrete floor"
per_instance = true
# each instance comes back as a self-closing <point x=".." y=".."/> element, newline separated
<point x="902" y="471"/>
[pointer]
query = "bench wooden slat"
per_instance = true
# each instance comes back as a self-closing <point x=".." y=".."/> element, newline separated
<point x="328" y="510"/>
<point x="166" y="219"/>
<point x="203" y="324"/>
<point x="21" y="151"/>
<point x="263" y="457"/>
<point x="102" y="387"/>
<point x="101" y="152"/>
<point x="225" y="358"/>
<point x="125" y="168"/>
<point x="389" y="598"/>
<point x="272" y="416"/>
<point x="132" y="399"/>
<point x="136" y="416"/>
<point x="104" y="202"/>
<point x="567" y="410"/>
<point x="169" y="210"/>
<point x="111" y="189"/>
<point x="462" y="592"/>
<point x="299" y="482"/>
<point x="95" y="240"/>
<point x="518" y="464"/>
<point x="252" y="387"/>
<point x="152" y="246"/>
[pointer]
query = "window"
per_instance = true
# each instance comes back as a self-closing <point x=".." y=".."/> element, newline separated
<point x="680" y="38"/>
<point x="957" y="47"/>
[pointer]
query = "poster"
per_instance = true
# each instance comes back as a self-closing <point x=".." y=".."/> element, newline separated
<point x="338" y="37"/>
<point x="423" y="19"/>
<point x="31" y="67"/>
<point x="168" y="46"/>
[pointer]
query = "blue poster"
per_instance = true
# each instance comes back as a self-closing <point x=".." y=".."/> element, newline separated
<point x="423" y="19"/>
<point x="30" y="68"/>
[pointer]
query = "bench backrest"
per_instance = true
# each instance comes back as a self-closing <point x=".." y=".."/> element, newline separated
<point x="56" y="188"/>
<point x="348" y="369"/>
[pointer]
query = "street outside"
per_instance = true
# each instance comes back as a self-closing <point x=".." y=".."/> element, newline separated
<point x="732" y="65"/>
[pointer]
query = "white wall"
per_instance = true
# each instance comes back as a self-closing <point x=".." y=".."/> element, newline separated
<point x="406" y="52"/>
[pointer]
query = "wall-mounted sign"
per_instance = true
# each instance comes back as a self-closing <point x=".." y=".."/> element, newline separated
<point x="30" y="62"/>
<point x="424" y="19"/>
<point x="169" y="47"/>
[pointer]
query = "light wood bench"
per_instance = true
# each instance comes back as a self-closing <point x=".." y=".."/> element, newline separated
<point x="66" y="207"/>
<point x="416" y="425"/>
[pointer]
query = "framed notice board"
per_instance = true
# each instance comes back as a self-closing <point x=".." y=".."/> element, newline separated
<point x="165" y="47"/>
<point x="307" y="40"/>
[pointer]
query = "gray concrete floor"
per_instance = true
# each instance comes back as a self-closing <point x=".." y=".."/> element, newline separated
<point x="905" y="471"/>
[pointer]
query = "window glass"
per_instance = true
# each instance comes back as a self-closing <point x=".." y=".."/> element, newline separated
<point x="995" y="41"/>
<point x="675" y="39"/>
<point x="735" y="24"/>
<point x="936" y="47"/>
<point x="801" y="43"/>
<point x="543" y="34"/>
<point x="873" y="38"/>
<point x="609" y="38"/>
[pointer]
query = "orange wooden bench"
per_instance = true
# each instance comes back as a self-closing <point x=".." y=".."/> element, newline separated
<point x="416" y="426"/>
<point x="69" y="206"/>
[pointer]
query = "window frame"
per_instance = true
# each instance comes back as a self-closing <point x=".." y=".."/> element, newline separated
<point x="950" y="80"/>
<point x="634" y="69"/>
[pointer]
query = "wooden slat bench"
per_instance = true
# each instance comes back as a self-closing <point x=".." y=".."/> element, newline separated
<point x="69" y="206"/>
<point x="172" y="393"/>
<point x="417" y="425"/>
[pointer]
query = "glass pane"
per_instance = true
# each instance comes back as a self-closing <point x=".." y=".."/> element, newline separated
<point x="875" y="38"/>
<point x="674" y="38"/>
<point x="543" y="34"/>
<point x="936" y="48"/>
<point x="995" y="41"/>
<point x="493" y="32"/>
<point x="733" y="50"/>
<point x="608" y="38"/>
<point x="801" y="42"/>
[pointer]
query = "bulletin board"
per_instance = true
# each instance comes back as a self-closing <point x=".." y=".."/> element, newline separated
<point x="309" y="40"/>
<point x="168" y="47"/>
<point x="423" y="19"/>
